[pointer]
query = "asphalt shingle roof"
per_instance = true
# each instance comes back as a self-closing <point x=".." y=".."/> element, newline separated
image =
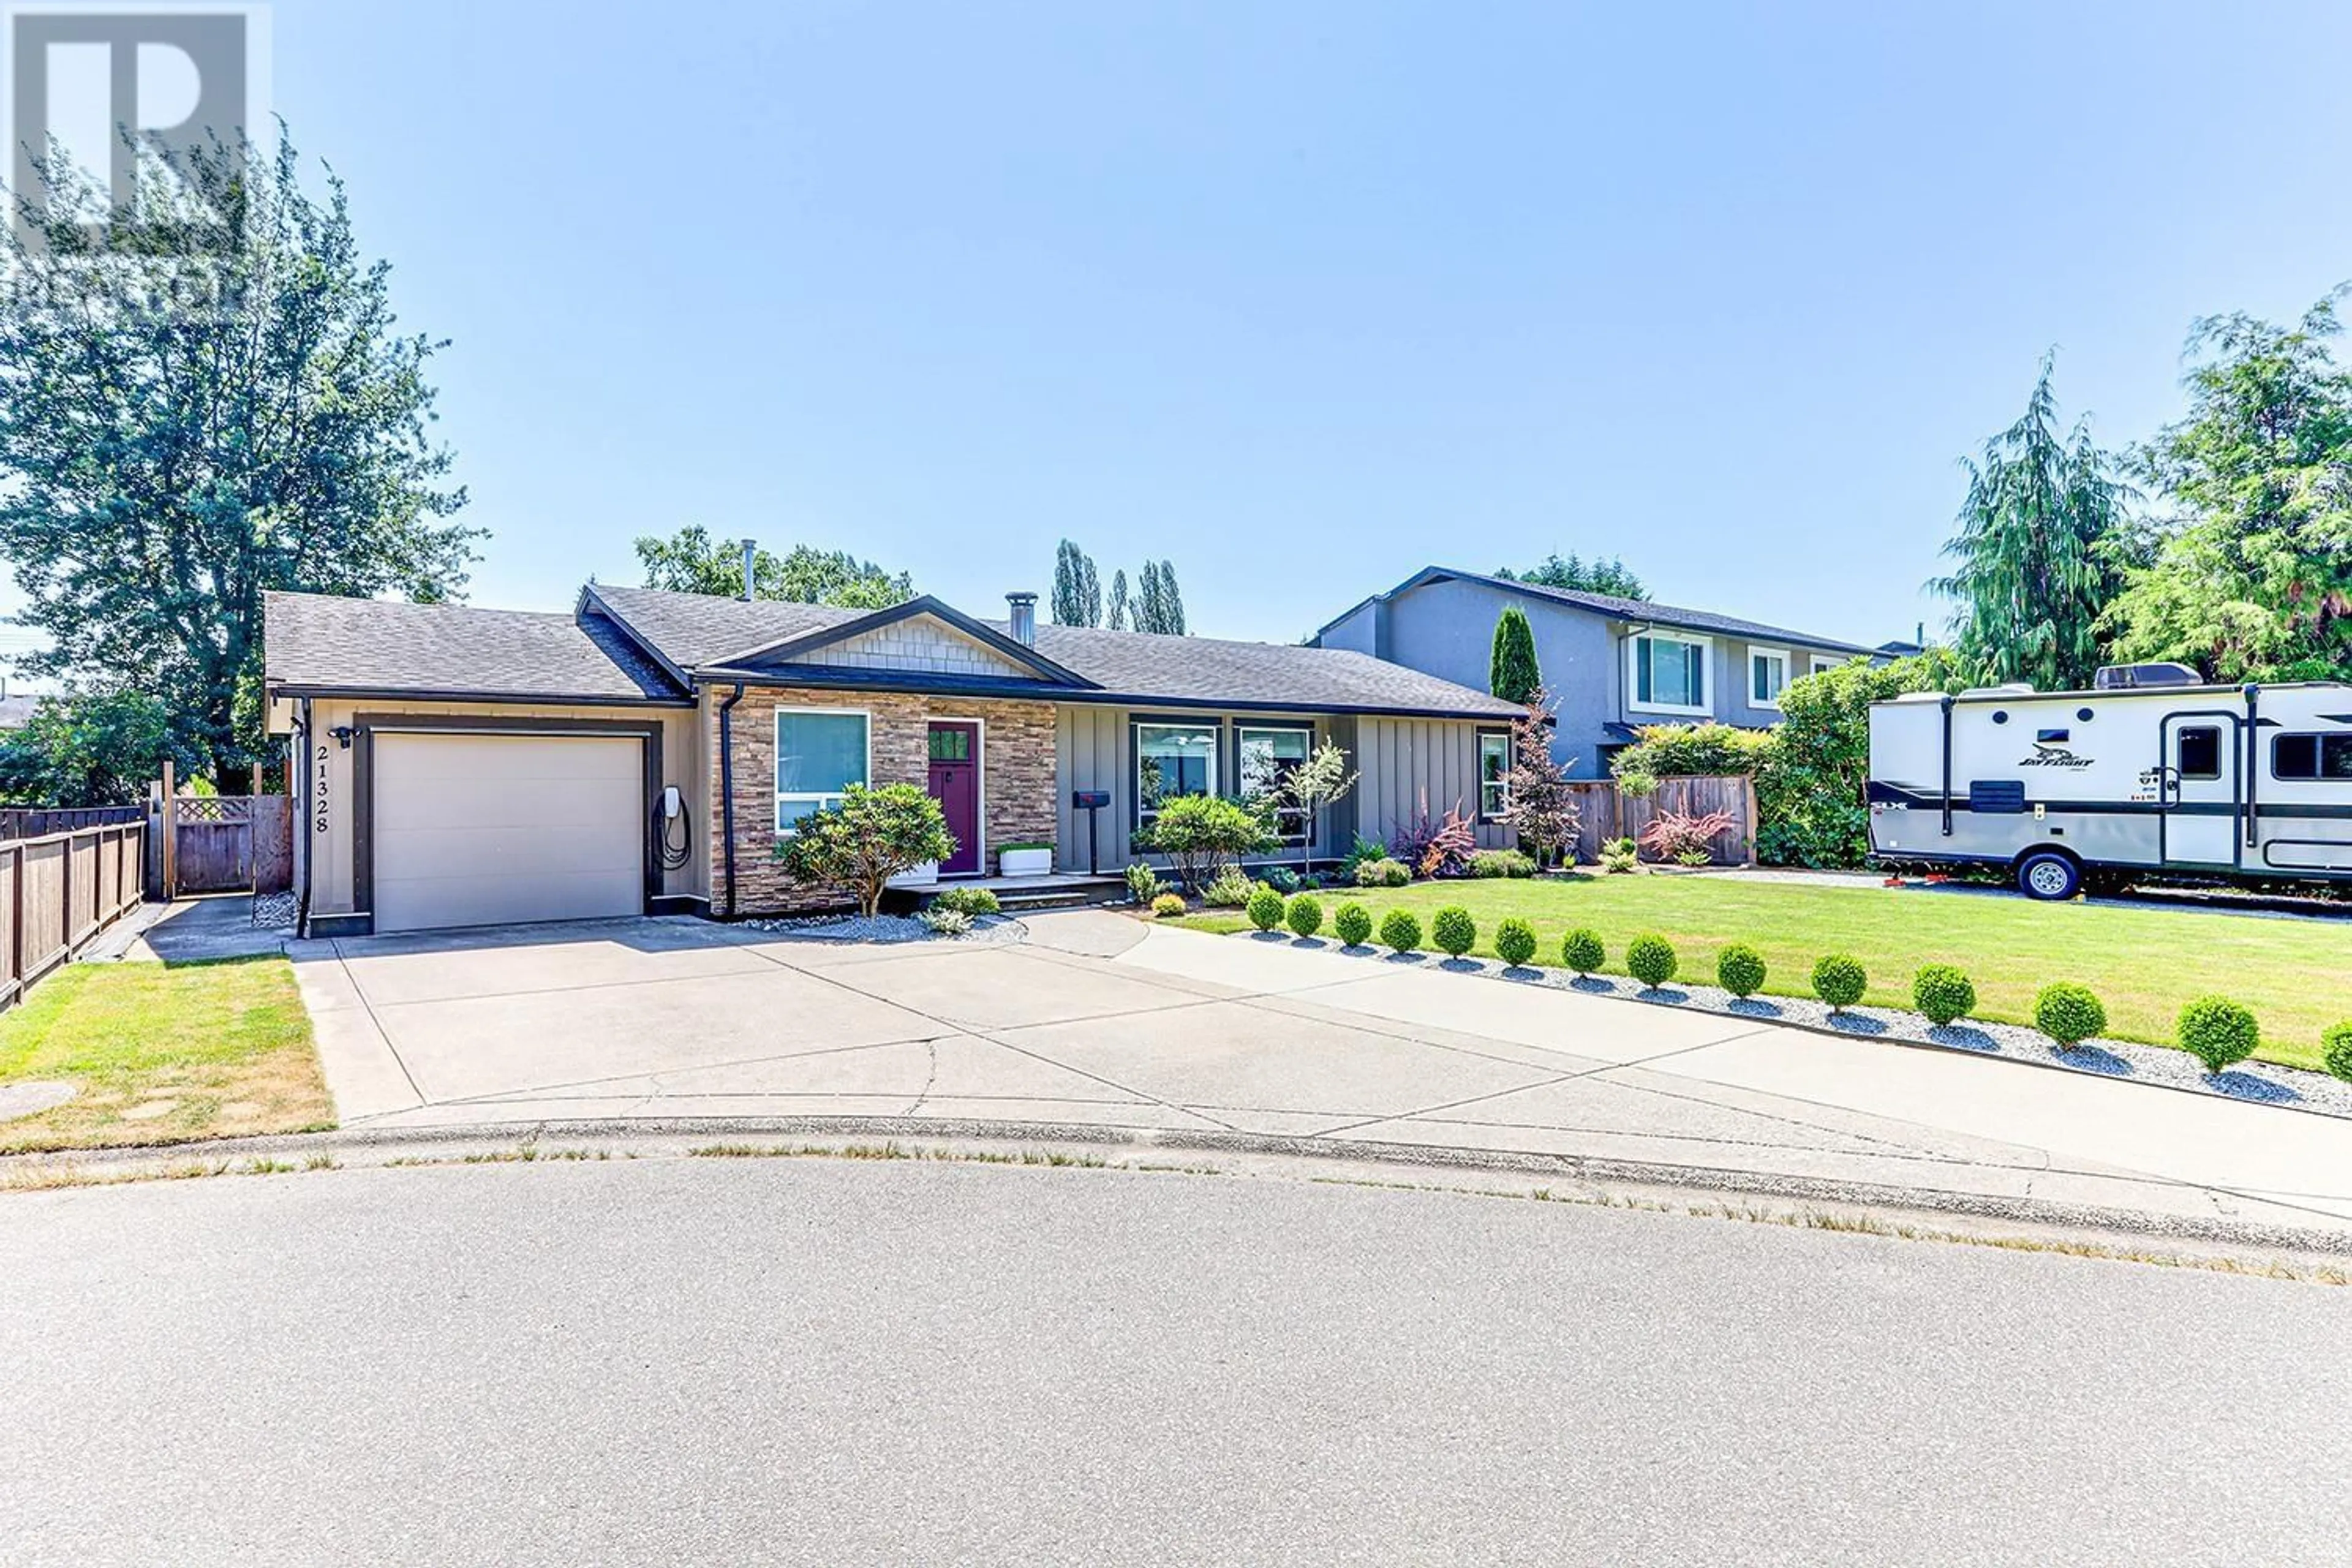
<point x="315" y="641"/>
<point x="1620" y="609"/>
<point x="694" y="631"/>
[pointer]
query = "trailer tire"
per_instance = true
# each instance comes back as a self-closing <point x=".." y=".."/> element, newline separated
<point x="2049" y="876"/>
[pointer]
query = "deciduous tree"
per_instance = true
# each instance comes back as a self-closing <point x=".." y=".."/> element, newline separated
<point x="179" y="435"/>
<point x="690" y="561"/>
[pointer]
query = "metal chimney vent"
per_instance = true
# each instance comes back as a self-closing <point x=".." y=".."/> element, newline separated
<point x="1024" y="618"/>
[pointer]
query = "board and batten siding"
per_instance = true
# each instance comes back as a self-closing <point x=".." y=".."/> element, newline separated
<point x="1094" y="747"/>
<point x="1400" y="758"/>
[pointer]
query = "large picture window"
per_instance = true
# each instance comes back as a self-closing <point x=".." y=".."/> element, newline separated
<point x="1172" y="760"/>
<point x="1266" y="755"/>
<point x="820" y="752"/>
<point x="1669" y="673"/>
<point x="1493" y="773"/>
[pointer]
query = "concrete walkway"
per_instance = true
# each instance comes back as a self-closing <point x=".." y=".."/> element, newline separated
<point x="1099" y="1021"/>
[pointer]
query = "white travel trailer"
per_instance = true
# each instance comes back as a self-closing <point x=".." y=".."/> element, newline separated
<point x="2147" y="773"/>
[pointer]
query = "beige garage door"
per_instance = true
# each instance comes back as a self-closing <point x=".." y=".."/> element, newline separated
<point x="486" y="829"/>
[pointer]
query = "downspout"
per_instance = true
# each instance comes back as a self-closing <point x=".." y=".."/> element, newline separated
<point x="2251" y="763"/>
<point x="301" y="759"/>
<point x="1947" y="765"/>
<point x="727" y="787"/>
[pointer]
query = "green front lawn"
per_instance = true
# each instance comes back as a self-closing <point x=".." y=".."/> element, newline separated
<point x="165" y="1054"/>
<point x="2144" y="963"/>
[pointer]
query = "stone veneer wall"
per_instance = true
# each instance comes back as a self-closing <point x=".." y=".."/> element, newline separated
<point x="1017" y="778"/>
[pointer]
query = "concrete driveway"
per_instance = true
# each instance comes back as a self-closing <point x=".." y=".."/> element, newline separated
<point x="1096" y="1020"/>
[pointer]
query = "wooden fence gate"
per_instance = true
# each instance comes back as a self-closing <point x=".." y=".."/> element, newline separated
<point x="212" y="843"/>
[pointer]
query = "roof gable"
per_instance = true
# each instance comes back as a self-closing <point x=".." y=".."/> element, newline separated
<point x="1645" y="611"/>
<point x="921" y="635"/>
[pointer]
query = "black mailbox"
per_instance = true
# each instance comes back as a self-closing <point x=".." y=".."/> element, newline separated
<point x="1090" y="801"/>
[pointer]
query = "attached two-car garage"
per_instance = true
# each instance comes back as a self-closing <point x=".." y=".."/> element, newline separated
<point x="468" y="828"/>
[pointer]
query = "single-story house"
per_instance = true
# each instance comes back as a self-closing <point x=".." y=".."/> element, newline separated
<point x="466" y="766"/>
<point x="1612" y="666"/>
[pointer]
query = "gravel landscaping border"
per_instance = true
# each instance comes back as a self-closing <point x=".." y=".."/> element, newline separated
<point x="885" y="929"/>
<point x="2249" y="1082"/>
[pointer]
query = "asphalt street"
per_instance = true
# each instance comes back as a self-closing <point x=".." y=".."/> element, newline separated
<point x="825" y="1361"/>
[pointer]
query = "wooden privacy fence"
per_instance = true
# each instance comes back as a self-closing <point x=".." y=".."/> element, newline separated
<point x="1604" y="812"/>
<point x="220" y="843"/>
<point x="60" y="889"/>
<point x="39" y="821"/>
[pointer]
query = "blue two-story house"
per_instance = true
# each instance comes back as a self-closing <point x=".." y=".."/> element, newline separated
<point x="1611" y="664"/>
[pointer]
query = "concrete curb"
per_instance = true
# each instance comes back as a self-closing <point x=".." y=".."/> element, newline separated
<point x="1599" y="1174"/>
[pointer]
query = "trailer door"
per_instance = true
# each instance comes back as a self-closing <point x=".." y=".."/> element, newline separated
<point x="2200" y="798"/>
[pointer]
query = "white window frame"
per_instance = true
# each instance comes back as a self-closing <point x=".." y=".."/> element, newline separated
<point x="776" y="762"/>
<point x="1502" y="785"/>
<point x="1778" y="656"/>
<point x="1818" y="662"/>
<point x="1705" y="645"/>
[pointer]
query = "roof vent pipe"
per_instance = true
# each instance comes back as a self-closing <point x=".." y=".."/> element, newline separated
<point x="1024" y="618"/>
<point x="750" y="560"/>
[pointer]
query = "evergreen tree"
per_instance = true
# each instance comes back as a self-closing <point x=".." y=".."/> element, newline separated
<point x="2037" y="552"/>
<point x="1612" y="576"/>
<point x="1511" y="671"/>
<point x="1119" y="601"/>
<point x="1078" y="591"/>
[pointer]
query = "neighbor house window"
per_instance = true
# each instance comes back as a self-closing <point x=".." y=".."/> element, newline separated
<point x="1669" y="673"/>
<point x="1767" y="676"/>
<point x="1493" y="773"/>
<point x="1172" y="760"/>
<point x="1266" y="756"/>
<point x="2311" y="756"/>
<point x="820" y="752"/>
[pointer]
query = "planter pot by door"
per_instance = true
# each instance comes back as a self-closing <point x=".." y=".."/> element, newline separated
<point x="955" y="785"/>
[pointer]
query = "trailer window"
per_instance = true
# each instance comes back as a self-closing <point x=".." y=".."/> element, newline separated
<point x="2311" y="756"/>
<point x="2200" y="754"/>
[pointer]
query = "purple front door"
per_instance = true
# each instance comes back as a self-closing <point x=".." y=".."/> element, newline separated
<point x="955" y="785"/>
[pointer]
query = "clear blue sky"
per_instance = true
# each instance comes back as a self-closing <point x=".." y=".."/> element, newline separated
<point x="1307" y="300"/>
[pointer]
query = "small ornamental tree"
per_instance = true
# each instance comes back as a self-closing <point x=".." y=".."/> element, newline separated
<point x="1203" y="833"/>
<point x="1511" y="671"/>
<point x="871" y="836"/>
<point x="1538" y="802"/>
<point x="1323" y="779"/>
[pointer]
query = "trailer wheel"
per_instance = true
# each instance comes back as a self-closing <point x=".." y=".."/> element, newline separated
<point x="2047" y="875"/>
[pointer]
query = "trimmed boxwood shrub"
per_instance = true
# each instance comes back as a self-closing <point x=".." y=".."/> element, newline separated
<point x="1651" y="960"/>
<point x="1168" y="904"/>
<point x="1452" y="929"/>
<point x="1840" y="981"/>
<point x="2218" y="1031"/>
<point x="1943" y="993"/>
<point x="1581" y="950"/>
<point x="1304" y="916"/>
<point x="1740" y="969"/>
<point x="1265" y="908"/>
<point x="1399" y="930"/>
<point x="2335" y="1049"/>
<point x="2069" y="1013"/>
<point x="1514" y="939"/>
<point x="1353" y="922"/>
